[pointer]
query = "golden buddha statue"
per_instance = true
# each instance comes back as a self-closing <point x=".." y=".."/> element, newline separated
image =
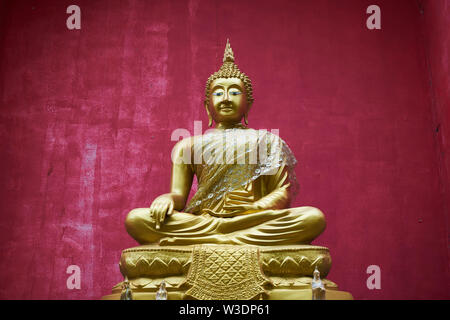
<point x="256" y="213"/>
<point x="240" y="214"/>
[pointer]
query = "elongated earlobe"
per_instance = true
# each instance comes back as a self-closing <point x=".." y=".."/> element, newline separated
<point x="245" y="118"/>
<point x="210" y="119"/>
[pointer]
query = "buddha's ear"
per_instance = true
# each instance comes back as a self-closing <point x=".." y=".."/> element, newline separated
<point x="249" y="105"/>
<point x="210" y="119"/>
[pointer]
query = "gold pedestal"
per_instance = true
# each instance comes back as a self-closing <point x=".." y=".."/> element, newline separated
<point x="276" y="294"/>
<point x="280" y="273"/>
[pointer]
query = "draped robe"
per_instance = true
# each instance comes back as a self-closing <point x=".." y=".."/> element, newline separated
<point x="234" y="167"/>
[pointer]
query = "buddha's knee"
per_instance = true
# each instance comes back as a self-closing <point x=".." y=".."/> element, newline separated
<point x="317" y="219"/>
<point x="136" y="220"/>
<point x="141" y="227"/>
<point x="313" y="218"/>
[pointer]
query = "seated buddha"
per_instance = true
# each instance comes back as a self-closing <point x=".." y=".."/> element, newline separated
<point x="246" y="180"/>
<point x="237" y="237"/>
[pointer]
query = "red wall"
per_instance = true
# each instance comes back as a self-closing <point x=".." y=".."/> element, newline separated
<point x="436" y="26"/>
<point x="86" y="117"/>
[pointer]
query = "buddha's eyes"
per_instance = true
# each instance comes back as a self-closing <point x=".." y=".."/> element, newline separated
<point x="232" y="93"/>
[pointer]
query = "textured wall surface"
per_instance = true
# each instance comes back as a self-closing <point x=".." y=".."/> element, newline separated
<point x="436" y="26"/>
<point x="86" y="118"/>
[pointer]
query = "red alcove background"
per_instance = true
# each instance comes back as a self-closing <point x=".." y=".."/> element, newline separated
<point x="87" y="115"/>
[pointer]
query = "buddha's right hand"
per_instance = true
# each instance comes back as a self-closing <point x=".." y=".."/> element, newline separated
<point x="161" y="207"/>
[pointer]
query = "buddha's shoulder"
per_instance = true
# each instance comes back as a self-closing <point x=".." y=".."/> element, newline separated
<point x="189" y="142"/>
<point x="185" y="142"/>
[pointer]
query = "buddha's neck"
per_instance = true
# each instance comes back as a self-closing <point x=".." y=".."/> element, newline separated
<point x="229" y="125"/>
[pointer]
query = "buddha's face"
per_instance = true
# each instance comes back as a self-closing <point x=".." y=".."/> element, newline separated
<point x="228" y="100"/>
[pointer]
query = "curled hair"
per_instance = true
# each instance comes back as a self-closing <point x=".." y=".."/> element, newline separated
<point x="230" y="70"/>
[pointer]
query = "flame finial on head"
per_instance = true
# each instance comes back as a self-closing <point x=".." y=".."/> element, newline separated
<point x="228" y="55"/>
<point x="229" y="69"/>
